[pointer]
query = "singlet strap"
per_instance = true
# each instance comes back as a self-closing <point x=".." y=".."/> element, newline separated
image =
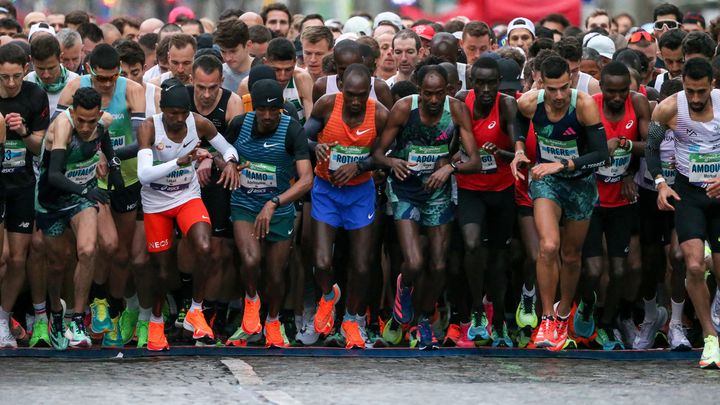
<point x="414" y="105"/>
<point x="67" y="113"/>
<point x="573" y="100"/>
<point x="541" y="96"/>
<point x="446" y="107"/>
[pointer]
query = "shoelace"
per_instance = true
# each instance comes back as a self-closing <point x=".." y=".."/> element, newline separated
<point x="101" y="311"/>
<point x="57" y="323"/>
<point x="528" y="304"/>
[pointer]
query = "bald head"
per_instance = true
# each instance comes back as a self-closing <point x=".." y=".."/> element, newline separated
<point x="110" y="33"/>
<point x="149" y="26"/>
<point x="251" y="19"/>
<point x="33" y="18"/>
<point x="445" y="46"/>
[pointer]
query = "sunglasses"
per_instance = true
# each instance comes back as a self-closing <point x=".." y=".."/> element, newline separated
<point x="639" y="36"/>
<point x="669" y="24"/>
<point x="105" y="79"/>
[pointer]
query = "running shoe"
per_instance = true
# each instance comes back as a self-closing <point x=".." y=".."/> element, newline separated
<point x="608" y="339"/>
<point x="715" y="310"/>
<point x="238" y="339"/>
<point x="307" y="334"/>
<point x="441" y="321"/>
<point x="57" y="330"/>
<point x="114" y="337"/>
<point x="678" y="339"/>
<point x="128" y="322"/>
<point x="157" y="341"/>
<point x="479" y="327"/>
<point x="584" y="320"/>
<point x="77" y="335"/>
<point x="275" y="334"/>
<point x="7" y="340"/>
<point x="463" y="341"/>
<point x="251" y="316"/>
<point x="425" y="335"/>
<point x="40" y="335"/>
<point x="353" y="337"/>
<point x="334" y="339"/>
<point x="525" y="314"/>
<point x="646" y="336"/>
<point x="373" y="338"/>
<point x="392" y="332"/>
<point x="195" y="322"/>
<point x="524" y="337"/>
<point x="711" y="353"/>
<point x="561" y="334"/>
<point x="501" y="340"/>
<point x="181" y="314"/>
<point x="325" y="315"/>
<point x="628" y="331"/>
<point x="403" y="309"/>
<point x="141" y="331"/>
<point x="17" y="330"/>
<point x="545" y="333"/>
<point x="100" y="319"/>
<point x="454" y="332"/>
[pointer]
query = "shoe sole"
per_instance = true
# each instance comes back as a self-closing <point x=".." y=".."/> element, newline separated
<point x="710" y="366"/>
<point x="681" y="348"/>
<point x="190" y="328"/>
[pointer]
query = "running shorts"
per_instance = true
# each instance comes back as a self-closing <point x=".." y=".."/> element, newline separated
<point x="655" y="226"/>
<point x="494" y="211"/>
<point x="436" y="210"/>
<point x="576" y="197"/>
<point x="281" y="226"/>
<point x="54" y="223"/>
<point x="697" y="216"/>
<point x="616" y="225"/>
<point x="20" y="210"/>
<point x="127" y="199"/>
<point x="159" y="226"/>
<point x="217" y="201"/>
<point x="348" y="207"/>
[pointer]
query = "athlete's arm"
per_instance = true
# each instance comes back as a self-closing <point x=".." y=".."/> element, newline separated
<point x="243" y="87"/>
<point x="508" y="115"/>
<point x="229" y="178"/>
<point x="642" y="113"/>
<point x="235" y="107"/>
<point x="597" y="151"/>
<point x="661" y="121"/>
<point x="135" y="98"/>
<point x="319" y="88"/>
<point x="115" y="179"/>
<point x="296" y="142"/>
<point x="304" y="84"/>
<point x="382" y="91"/>
<point x="461" y="117"/>
<point x="381" y="117"/>
<point x="316" y="122"/>
<point x="66" y="96"/>
<point x="526" y="106"/>
<point x="3" y="134"/>
<point x="147" y="173"/>
<point x="396" y="120"/>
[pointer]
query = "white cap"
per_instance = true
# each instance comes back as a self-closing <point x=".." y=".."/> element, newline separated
<point x="457" y="34"/>
<point x="41" y="27"/>
<point x="521" y="22"/>
<point x="388" y="16"/>
<point x="351" y="36"/>
<point x="602" y="44"/>
<point x="358" y="25"/>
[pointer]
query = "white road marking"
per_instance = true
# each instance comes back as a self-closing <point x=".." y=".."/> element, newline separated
<point x="249" y="380"/>
<point x="279" y="398"/>
<point x="243" y="372"/>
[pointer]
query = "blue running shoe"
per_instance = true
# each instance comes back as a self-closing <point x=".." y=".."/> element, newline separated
<point x="584" y="320"/>
<point x="608" y="339"/>
<point x="478" y="329"/>
<point x="403" y="311"/>
<point x="501" y="340"/>
<point x="101" y="322"/>
<point x="425" y="333"/>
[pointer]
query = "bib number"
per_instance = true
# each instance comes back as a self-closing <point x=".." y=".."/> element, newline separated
<point x="552" y="150"/>
<point x="177" y="180"/>
<point x="259" y="178"/>
<point x="619" y="163"/>
<point x="425" y="157"/>
<point x="704" y="166"/>
<point x="118" y="141"/>
<point x="668" y="172"/>
<point x="487" y="162"/>
<point x="82" y="172"/>
<point x="15" y="154"/>
<point x="343" y="155"/>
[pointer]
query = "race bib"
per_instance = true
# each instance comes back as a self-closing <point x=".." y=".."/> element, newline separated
<point x="487" y="162"/>
<point x="15" y="153"/>
<point x="668" y="172"/>
<point x="619" y="163"/>
<point x="552" y="150"/>
<point x="425" y="157"/>
<point x="343" y="155"/>
<point x="118" y="141"/>
<point x="259" y="178"/>
<point x="703" y="167"/>
<point x="179" y="179"/>
<point x="82" y="172"/>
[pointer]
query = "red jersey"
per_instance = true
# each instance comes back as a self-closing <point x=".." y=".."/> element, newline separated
<point x="495" y="174"/>
<point x="609" y="178"/>
<point x="353" y="143"/>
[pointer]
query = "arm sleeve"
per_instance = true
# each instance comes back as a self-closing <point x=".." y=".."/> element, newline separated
<point x="296" y="142"/>
<point x="656" y="134"/>
<point x="127" y="152"/>
<point x="522" y="126"/>
<point x="597" y="152"/>
<point x="313" y="126"/>
<point x="147" y="173"/>
<point x="106" y="144"/>
<point x="56" y="178"/>
<point x="221" y="145"/>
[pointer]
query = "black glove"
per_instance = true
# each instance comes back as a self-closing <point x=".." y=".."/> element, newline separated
<point x="115" y="179"/>
<point x="96" y="195"/>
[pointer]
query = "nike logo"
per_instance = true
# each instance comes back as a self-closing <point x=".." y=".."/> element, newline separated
<point x="359" y="132"/>
<point x="270" y="100"/>
<point x="290" y="232"/>
<point x="267" y="145"/>
<point x="371" y="215"/>
<point x="185" y="145"/>
<point x="205" y="217"/>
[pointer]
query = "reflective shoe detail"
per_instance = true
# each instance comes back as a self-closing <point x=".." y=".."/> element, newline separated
<point x="157" y="341"/>
<point x="501" y="339"/>
<point x="307" y="334"/>
<point x="545" y="333"/>
<point x="403" y="311"/>
<point x="525" y="314"/>
<point x="7" y="340"/>
<point x="646" y="336"/>
<point x="608" y="339"/>
<point x="275" y="334"/>
<point x="195" y="322"/>
<point x="325" y="315"/>
<point x="678" y="338"/>
<point x="77" y="335"/>
<point x="353" y="337"/>
<point x="141" y="331"/>
<point x="114" y="337"/>
<point x="426" y="337"/>
<point x="251" y="316"/>
<point x="584" y="321"/>
<point x="40" y="335"/>
<point x="392" y="333"/>
<point x="479" y="327"/>
<point x="128" y="322"/>
<point x="711" y="353"/>
<point x="100" y="319"/>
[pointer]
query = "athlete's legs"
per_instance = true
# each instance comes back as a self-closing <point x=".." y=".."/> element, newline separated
<point x="85" y="227"/>
<point x="359" y="272"/>
<point x="250" y="255"/>
<point x="324" y="238"/>
<point x="408" y="232"/>
<point x="547" y="219"/>
<point x="475" y="262"/>
<point x="529" y="236"/>
<point x="37" y="268"/>
<point x="139" y="262"/>
<point x="56" y="249"/>
<point x="119" y="265"/>
<point x="276" y="261"/>
<point x="199" y="235"/>
<point x="573" y="237"/>
<point x="694" y="253"/>
<point x="434" y="280"/>
<point x="19" y="244"/>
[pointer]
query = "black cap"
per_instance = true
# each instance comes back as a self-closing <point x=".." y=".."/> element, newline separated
<point x="510" y="74"/>
<point x="267" y="93"/>
<point x="174" y="94"/>
<point x="209" y="51"/>
<point x="204" y="41"/>
<point x="260" y="72"/>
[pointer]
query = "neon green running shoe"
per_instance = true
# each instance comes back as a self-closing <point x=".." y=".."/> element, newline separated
<point x="525" y="314"/>
<point x="100" y="322"/>
<point x="40" y="333"/>
<point x="141" y="331"/>
<point x="114" y="337"/>
<point x="392" y="333"/>
<point x="128" y="321"/>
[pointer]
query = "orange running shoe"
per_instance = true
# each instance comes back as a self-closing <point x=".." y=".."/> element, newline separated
<point x="251" y="316"/>
<point x="275" y="334"/>
<point x="452" y="335"/>
<point x="325" y="316"/>
<point x="561" y="333"/>
<point x="195" y="322"/>
<point x="353" y="338"/>
<point x="156" y="337"/>
<point x="545" y="336"/>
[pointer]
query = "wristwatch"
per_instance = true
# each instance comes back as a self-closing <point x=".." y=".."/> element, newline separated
<point x="454" y="167"/>
<point x="659" y="181"/>
<point x="114" y="162"/>
<point x="565" y="164"/>
<point x="275" y="200"/>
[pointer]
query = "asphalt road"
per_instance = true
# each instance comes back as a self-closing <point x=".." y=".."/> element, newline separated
<point x="289" y="381"/>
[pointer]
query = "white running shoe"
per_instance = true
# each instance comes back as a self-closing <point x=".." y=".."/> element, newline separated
<point x="307" y="334"/>
<point x="648" y="330"/>
<point x="677" y="337"/>
<point x="715" y="311"/>
<point x="7" y="340"/>
<point x="628" y="331"/>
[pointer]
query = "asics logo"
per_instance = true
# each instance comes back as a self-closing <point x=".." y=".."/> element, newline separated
<point x="569" y="132"/>
<point x="269" y="145"/>
<point x="359" y="132"/>
<point x="270" y="100"/>
<point x="492" y="125"/>
<point x="629" y="124"/>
